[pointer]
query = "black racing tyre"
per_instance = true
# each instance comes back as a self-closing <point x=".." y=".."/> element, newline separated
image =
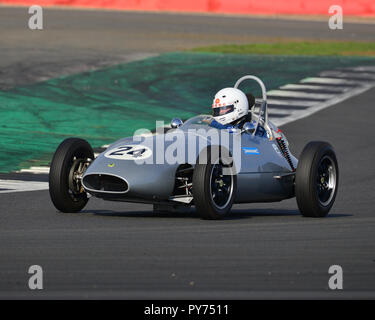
<point x="70" y="159"/>
<point x="213" y="192"/>
<point x="317" y="178"/>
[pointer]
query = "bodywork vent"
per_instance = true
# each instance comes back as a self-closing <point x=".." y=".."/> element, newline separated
<point x="105" y="183"/>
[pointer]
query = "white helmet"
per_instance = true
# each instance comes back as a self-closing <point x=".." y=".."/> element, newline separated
<point x="229" y="105"/>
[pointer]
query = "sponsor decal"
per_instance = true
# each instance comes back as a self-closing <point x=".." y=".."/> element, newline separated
<point x="111" y="165"/>
<point x="251" y="150"/>
<point x="129" y="152"/>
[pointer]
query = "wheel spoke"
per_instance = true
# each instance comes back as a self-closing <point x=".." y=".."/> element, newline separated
<point x="326" y="177"/>
<point x="221" y="186"/>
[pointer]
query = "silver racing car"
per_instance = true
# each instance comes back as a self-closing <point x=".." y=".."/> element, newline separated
<point x="194" y="164"/>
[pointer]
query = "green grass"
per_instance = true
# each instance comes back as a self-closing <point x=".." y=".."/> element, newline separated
<point x="307" y="48"/>
<point x="104" y="105"/>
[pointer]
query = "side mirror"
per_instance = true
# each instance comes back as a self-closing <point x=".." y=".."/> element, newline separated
<point x="248" y="128"/>
<point x="176" y="122"/>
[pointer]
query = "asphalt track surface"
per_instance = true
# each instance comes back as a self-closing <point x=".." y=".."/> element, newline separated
<point x="78" y="40"/>
<point x="120" y="250"/>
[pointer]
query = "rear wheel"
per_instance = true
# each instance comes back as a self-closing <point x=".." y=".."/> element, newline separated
<point x="213" y="190"/>
<point x="69" y="162"/>
<point x="317" y="179"/>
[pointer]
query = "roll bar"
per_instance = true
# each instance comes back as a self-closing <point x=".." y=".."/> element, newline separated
<point x="263" y="110"/>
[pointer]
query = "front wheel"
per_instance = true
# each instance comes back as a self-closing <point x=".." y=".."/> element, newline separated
<point x="317" y="179"/>
<point x="213" y="188"/>
<point x="69" y="162"/>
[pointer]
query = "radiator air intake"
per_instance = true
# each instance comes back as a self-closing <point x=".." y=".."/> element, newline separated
<point x="105" y="183"/>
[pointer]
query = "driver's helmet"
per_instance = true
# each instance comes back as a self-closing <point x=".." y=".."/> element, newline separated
<point x="229" y="105"/>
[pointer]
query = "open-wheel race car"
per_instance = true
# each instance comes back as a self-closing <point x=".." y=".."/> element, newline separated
<point x="255" y="166"/>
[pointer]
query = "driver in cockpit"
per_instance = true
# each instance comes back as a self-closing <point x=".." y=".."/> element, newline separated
<point x="230" y="110"/>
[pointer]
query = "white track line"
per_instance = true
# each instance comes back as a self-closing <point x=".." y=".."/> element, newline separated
<point x="302" y="103"/>
<point x="314" y="88"/>
<point x="21" y="186"/>
<point x="363" y="68"/>
<point x="328" y="81"/>
<point x="349" y="75"/>
<point x="278" y="111"/>
<point x="43" y="170"/>
<point x="296" y="115"/>
<point x="300" y="94"/>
